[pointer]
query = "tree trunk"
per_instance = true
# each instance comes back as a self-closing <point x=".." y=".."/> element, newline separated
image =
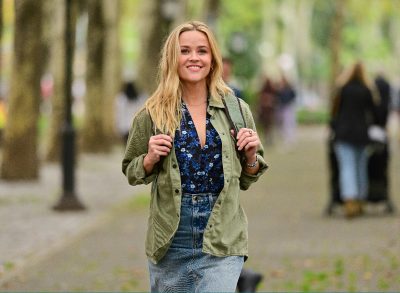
<point x="57" y="68"/>
<point x="336" y="43"/>
<point x="112" y="65"/>
<point x="155" y="27"/>
<point x="210" y="13"/>
<point x="1" y="45"/>
<point x="20" y="154"/>
<point x="94" y="136"/>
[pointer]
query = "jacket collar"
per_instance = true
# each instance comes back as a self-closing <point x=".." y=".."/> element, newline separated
<point x="215" y="102"/>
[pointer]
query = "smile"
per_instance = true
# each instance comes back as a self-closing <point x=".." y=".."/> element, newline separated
<point x="196" y="67"/>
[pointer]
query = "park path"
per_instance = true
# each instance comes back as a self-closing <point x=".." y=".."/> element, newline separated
<point x="292" y="243"/>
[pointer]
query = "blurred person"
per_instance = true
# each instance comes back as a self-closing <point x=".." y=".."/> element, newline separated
<point x="286" y="111"/>
<point x="353" y="111"/>
<point x="384" y="105"/>
<point x="266" y="109"/>
<point x="181" y="143"/>
<point x="227" y="77"/>
<point x="128" y="103"/>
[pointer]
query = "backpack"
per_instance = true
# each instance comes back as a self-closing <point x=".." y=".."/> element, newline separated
<point x="234" y="112"/>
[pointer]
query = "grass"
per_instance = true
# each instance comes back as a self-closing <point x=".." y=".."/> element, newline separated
<point x="306" y="116"/>
<point x="347" y="274"/>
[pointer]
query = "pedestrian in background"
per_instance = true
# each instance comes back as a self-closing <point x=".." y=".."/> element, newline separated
<point x="266" y="109"/>
<point x="128" y="103"/>
<point x="227" y="77"/>
<point x="353" y="111"/>
<point x="182" y="144"/>
<point x="286" y="97"/>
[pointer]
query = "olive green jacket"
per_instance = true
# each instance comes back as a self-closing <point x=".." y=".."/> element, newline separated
<point x="226" y="231"/>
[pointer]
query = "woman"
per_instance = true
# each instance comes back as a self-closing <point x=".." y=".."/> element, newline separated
<point x="353" y="112"/>
<point x="181" y="142"/>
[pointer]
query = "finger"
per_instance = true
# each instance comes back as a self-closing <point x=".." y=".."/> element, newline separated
<point x="252" y="140"/>
<point x="246" y="134"/>
<point x="161" y="141"/>
<point x="162" y="137"/>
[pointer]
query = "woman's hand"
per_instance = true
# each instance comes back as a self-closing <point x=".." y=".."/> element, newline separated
<point x="248" y="140"/>
<point x="159" y="146"/>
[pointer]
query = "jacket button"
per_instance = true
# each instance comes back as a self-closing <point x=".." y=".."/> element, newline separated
<point x="174" y="166"/>
<point x="176" y="190"/>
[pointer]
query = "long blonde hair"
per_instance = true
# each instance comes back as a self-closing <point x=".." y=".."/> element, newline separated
<point x="164" y="105"/>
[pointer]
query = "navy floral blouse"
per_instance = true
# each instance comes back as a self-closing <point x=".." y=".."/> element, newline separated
<point x="200" y="168"/>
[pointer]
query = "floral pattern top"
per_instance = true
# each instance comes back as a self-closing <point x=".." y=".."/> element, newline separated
<point x="201" y="169"/>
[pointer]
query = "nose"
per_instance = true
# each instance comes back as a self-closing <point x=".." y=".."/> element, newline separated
<point x="194" y="56"/>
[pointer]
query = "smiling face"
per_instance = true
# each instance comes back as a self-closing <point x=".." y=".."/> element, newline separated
<point x="195" y="57"/>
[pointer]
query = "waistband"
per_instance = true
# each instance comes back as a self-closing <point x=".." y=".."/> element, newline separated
<point x="199" y="197"/>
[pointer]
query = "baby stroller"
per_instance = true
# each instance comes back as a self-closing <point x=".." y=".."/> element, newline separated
<point x="378" y="191"/>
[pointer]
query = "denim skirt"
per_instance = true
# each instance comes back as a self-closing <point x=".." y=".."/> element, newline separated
<point x="185" y="268"/>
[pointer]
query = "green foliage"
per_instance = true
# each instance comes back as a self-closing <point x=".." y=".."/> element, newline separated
<point x="244" y="21"/>
<point x="322" y="17"/>
<point x="306" y="116"/>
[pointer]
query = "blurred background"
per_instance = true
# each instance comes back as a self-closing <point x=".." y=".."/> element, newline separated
<point x="74" y="72"/>
<point x="114" y="42"/>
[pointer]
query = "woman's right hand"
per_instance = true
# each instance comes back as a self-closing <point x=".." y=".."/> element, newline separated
<point x="159" y="146"/>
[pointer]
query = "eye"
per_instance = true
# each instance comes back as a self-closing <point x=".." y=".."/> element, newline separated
<point x="184" y="51"/>
<point x="203" y="51"/>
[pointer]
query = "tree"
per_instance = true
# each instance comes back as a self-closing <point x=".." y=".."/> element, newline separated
<point x="112" y="64"/>
<point x="20" y="154"/>
<point x="1" y="41"/>
<point x="335" y="43"/>
<point x="94" y="138"/>
<point x="57" y="68"/>
<point x="157" y="20"/>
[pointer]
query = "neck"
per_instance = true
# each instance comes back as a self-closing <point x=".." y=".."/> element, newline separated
<point x="194" y="95"/>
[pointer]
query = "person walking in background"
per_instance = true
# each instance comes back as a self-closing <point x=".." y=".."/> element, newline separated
<point x="353" y="111"/>
<point x="182" y="144"/>
<point x="128" y="103"/>
<point x="286" y="97"/>
<point x="384" y="90"/>
<point x="227" y="77"/>
<point x="266" y="109"/>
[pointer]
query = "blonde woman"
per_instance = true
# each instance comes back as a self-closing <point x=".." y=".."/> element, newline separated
<point x="181" y="143"/>
<point x="353" y="112"/>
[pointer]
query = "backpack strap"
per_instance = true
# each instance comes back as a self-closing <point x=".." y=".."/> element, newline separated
<point x="234" y="112"/>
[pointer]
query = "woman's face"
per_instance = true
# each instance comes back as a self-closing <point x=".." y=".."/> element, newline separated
<point x="195" y="57"/>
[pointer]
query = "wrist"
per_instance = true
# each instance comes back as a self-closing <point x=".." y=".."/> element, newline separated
<point x="251" y="163"/>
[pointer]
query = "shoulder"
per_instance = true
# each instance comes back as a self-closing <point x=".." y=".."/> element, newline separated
<point x="142" y="119"/>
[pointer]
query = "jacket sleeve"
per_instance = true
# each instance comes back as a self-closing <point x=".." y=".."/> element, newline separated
<point x="247" y="179"/>
<point x="136" y="150"/>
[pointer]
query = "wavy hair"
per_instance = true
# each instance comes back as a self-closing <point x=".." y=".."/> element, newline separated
<point x="164" y="105"/>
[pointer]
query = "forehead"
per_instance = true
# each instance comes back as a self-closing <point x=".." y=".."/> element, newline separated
<point x="190" y="38"/>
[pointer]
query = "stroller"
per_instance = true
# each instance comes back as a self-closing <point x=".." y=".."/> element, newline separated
<point x="378" y="191"/>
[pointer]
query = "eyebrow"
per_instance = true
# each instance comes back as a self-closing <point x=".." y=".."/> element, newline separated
<point x="199" y="47"/>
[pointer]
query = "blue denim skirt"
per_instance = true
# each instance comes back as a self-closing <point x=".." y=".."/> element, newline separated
<point x="185" y="268"/>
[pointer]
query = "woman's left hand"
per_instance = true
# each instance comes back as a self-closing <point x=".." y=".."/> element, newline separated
<point x="248" y="140"/>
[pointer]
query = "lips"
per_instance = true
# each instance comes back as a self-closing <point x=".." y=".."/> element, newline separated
<point x="194" y="67"/>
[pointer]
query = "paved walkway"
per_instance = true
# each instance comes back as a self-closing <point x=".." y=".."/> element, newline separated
<point x="292" y="243"/>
